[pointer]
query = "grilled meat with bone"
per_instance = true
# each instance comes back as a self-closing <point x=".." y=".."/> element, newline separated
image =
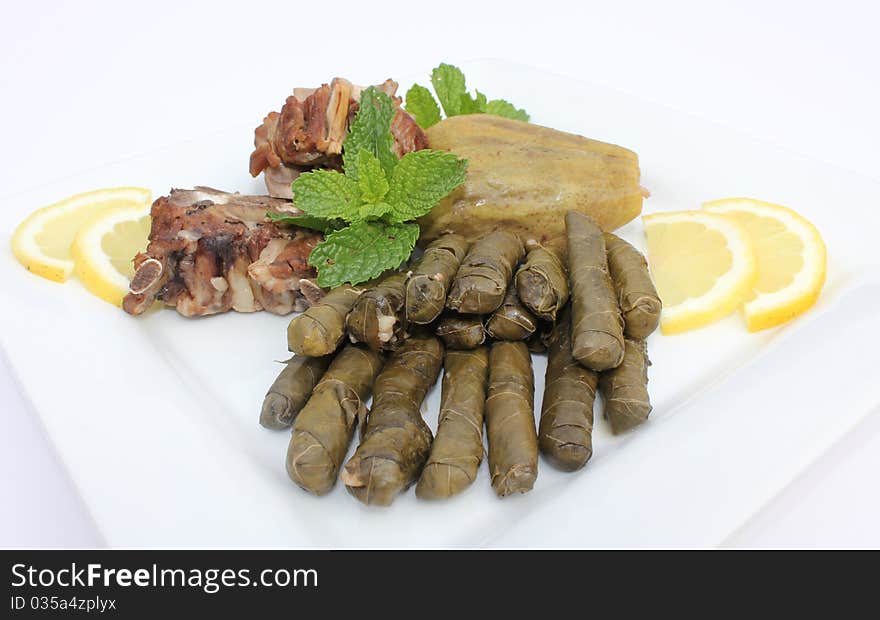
<point x="310" y="130"/>
<point x="211" y="251"/>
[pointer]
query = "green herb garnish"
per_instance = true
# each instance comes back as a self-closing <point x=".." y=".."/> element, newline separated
<point x="449" y="84"/>
<point x="366" y="211"/>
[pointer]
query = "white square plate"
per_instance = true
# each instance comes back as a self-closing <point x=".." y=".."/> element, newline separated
<point x="156" y="417"/>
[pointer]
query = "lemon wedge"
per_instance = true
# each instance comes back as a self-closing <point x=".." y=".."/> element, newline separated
<point x="791" y="260"/>
<point x="104" y="247"/>
<point x="703" y="265"/>
<point x="42" y="242"/>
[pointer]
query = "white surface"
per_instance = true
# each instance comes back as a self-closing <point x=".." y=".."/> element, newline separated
<point x="88" y="85"/>
<point x="165" y="451"/>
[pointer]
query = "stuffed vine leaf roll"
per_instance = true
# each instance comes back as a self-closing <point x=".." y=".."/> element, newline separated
<point x="542" y="283"/>
<point x="461" y="331"/>
<point x="458" y="447"/>
<point x="430" y="278"/>
<point x="481" y="282"/>
<point x="636" y="295"/>
<point x="323" y="429"/>
<point x="565" y="432"/>
<point x="290" y="391"/>
<point x="376" y="318"/>
<point x="396" y="440"/>
<point x="321" y="328"/>
<point x="510" y="419"/>
<point x="625" y="388"/>
<point x="596" y="324"/>
<point x="511" y="321"/>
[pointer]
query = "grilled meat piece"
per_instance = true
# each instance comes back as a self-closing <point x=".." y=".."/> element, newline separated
<point x="310" y="129"/>
<point x="211" y="251"/>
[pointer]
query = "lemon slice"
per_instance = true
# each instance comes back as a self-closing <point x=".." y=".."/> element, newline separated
<point x="703" y="265"/>
<point x="791" y="260"/>
<point x="42" y="242"/>
<point x="104" y="247"/>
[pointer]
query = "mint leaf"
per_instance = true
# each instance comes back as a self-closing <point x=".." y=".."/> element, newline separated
<point x="362" y="252"/>
<point x="370" y="130"/>
<point x="375" y="211"/>
<point x="327" y="194"/>
<point x="420" y="180"/>
<point x="500" y="107"/>
<point x="321" y="224"/>
<point x="421" y="104"/>
<point x="371" y="178"/>
<point x="451" y="88"/>
<point x="449" y="84"/>
<point x="473" y="105"/>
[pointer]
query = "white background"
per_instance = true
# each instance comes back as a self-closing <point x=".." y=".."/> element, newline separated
<point x="84" y="84"/>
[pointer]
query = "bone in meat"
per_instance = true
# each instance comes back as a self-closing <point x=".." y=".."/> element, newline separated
<point x="211" y="251"/>
<point x="311" y="128"/>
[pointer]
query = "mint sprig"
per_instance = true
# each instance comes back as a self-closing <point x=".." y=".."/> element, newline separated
<point x="327" y="194"/>
<point x="362" y="251"/>
<point x="451" y="88"/>
<point x="371" y="178"/>
<point x="366" y="211"/>
<point x="371" y="131"/>
<point x="449" y="84"/>
<point x="421" y="104"/>
<point x="420" y="180"/>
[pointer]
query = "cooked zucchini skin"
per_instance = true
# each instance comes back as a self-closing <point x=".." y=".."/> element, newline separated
<point x="291" y="390"/>
<point x="431" y="277"/>
<point x="461" y="331"/>
<point x="542" y="283"/>
<point x="323" y="429"/>
<point x="627" y="403"/>
<point x="596" y="324"/>
<point x="457" y="450"/>
<point x="482" y="279"/>
<point x="523" y="178"/>
<point x="378" y="304"/>
<point x="565" y="432"/>
<point x="321" y="328"/>
<point x="396" y="440"/>
<point x="512" y="320"/>
<point x="510" y="419"/>
<point x="639" y="302"/>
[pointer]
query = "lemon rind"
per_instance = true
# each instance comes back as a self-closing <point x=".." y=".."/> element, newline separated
<point x="728" y="291"/>
<point x="92" y="267"/>
<point x="23" y="242"/>
<point x="772" y="309"/>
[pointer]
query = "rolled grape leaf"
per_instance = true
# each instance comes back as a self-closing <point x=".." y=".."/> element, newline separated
<point x="396" y="440"/>
<point x="565" y="432"/>
<point x="461" y="331"/>
<point x="323" y="429"/>
<point x="431" y="277"/>
<point x="481" y="282"/>
<point x="320" y="329"/>
<point x="638" y="299"/>
<point x="511" y="321"/>
<point x="596" y="324"/>
<point x="510" y="419"/>
<point x="457" y="450"/>
<point x="542" y="283"/>
<point x="625" y="388"/>
<point x="290" y="391"/>
<point x="376" y="318"/>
